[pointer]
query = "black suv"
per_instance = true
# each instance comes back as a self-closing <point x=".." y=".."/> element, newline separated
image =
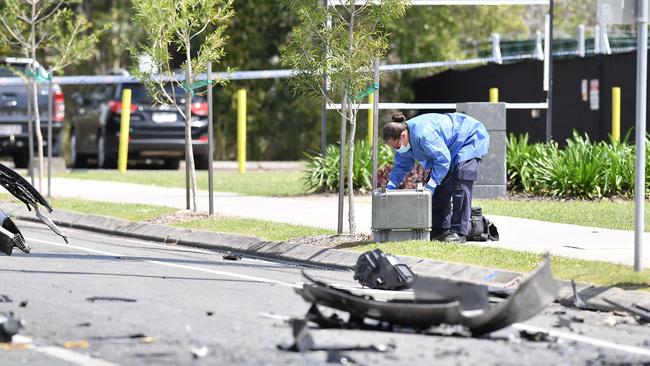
<point x="14" y="118"/>
<point x="157" y="132"/>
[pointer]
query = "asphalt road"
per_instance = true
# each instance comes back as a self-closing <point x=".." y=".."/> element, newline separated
<point x="182" y="298"/>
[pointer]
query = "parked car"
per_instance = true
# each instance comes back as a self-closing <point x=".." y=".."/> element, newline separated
<point x="14" y="117"/>
<point x="156" y="131"/>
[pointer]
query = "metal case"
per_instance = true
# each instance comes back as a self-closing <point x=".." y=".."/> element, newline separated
<point x="403" y="214"/>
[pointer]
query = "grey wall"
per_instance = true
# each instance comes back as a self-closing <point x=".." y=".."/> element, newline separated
<point x="491" y="182"/>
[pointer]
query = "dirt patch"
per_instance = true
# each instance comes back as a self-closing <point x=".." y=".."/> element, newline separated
<point x="333" y="241"/>
<point x="181" y="216"/>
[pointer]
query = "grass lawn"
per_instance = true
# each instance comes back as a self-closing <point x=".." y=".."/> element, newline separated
<point x="604" y="213"/>
<point x="274" y="183"/>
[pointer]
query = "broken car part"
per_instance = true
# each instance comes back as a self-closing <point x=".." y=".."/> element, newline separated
<point x="641" y="313"/>
<point x="9" y="326"/>
<point x="231" y="257"/>
<point x="577" y="300"/>
<point x="533" y="294"/>
<point x="10" y="236"/>
<point x="109" y="298"/>
<point x="26" y="193"/>
<point x="378" y="270"/>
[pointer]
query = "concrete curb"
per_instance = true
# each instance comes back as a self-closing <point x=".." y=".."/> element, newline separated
<point x="314" y="255"/>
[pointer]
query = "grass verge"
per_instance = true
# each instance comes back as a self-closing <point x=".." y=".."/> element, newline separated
<point x="598" y="273"/>
<point x="603" y="213"/>
<point x="595" y="272"/>
<point x="285" y="183"/>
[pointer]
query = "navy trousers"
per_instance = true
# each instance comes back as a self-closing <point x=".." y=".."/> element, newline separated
<point x="452" y="199"/>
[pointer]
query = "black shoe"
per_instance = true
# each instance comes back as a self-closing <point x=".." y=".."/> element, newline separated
<point x="451" y="237"/>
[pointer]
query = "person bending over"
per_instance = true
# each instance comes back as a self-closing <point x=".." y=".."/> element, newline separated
<point x="450" y="146"/>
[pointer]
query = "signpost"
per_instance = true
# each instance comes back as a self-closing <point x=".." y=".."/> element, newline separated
<point x="630" y="12"/>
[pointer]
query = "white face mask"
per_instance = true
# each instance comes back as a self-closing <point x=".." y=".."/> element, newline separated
<point x="404" y="149"/>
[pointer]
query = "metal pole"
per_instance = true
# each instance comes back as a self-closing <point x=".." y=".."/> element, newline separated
<point x="375" y="125"/>
<point x="581" y="40"/>
<point x="549" y="111"/>
<point x="641" y="92"/>
<point x="342" y="166"/>
<point x="49" y="133"/>
<point x="323" y="130"/>
<point x="241" y="130"/>
<point x="210" y="141"/>
<point x="616" y="114"/>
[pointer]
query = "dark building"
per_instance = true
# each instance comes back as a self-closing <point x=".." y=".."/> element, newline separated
<point x="582" y="93"/>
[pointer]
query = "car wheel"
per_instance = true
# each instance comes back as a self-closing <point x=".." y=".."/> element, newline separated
<point x="201" y="162"/>
<point x="172" y="163"/>
<point x="21" y="159"/>
<point x="74" y="159"/>
<point x="104" y="160"/>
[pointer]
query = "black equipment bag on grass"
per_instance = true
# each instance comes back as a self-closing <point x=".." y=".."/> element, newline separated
<point x="480" y="228"/>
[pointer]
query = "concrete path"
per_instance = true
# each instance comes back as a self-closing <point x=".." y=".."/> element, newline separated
<point x="574" y="241"/>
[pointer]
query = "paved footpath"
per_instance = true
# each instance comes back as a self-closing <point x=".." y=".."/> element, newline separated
<point x="321" y="211"/>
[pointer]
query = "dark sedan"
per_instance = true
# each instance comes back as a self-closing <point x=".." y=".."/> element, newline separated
<point x="157" y="132"/>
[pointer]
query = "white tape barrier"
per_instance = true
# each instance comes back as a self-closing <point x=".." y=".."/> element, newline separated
<point x="437" y="106"/>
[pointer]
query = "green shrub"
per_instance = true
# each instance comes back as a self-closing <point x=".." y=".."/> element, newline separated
<point x="583" y="169"/>
<point x="322" y="173"/>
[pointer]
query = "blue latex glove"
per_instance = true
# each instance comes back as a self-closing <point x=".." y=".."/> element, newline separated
<point x="390" y="186"/>
<point x="431" y="185"/>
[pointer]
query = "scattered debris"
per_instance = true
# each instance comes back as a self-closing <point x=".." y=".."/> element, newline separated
<point x="578" y="302"/>
<point x="378" y="270"/>
<point x="562" y="322"/>
<point x="209" y="313"/>
<point x="532" y="295"/>
<point x="109" y="298"/>
<point x="133" y="338"/>
<point x="537" y="336"/>
<point x="23" y="304"/>
<point x="9" y="326"/>
<point x="639" y="312"/>
<point x="199" y="352"/>
<point x="339" y="358"/>
<point x="76" y="345"/>
<point x="229" y="256"/>
<point x="84" y="324"/>
<point x="610" y="321"/>
<point x="5" y="298"/>
<point x="470" y="296"/>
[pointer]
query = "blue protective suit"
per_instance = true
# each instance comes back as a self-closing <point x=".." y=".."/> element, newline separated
<point x="438" y="142"/>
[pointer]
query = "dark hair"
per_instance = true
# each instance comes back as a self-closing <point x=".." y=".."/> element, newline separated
<point x="394" y="128"/>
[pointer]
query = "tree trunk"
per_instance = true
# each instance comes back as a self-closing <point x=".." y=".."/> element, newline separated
<point x="37" y="113"/>
<point x="189" y="151"/>
<point x="352" y="115"/>
<point x="353" y="124"/>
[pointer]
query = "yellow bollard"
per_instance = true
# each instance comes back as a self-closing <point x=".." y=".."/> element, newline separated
<point x="241" y="130"/>
<point x="616" y="114"/>
<point x="123" y="150"/>
<point x="494" y="95"/>
<point x="371" y="99"/>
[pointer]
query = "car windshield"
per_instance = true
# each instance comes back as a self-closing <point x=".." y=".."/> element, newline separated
<point x="139" y="93"/>
<point x="7" y="73"/>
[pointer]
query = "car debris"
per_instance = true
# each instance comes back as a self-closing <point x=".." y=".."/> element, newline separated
<point x="639" y="312"/>
<point x="109" y="298"/>
<point x="378" y="270"/>
<point x="199" y="352"/>
<point x="229" y="256"/>
<point x="5" y="298"/>
<point x="537" y="336"/>
<point x="578" y="302"/>
<point x="10" y="235"/>
<point x="9" y="326"/>
<point x="431" y="307"/>
<point x="303" y="341"/>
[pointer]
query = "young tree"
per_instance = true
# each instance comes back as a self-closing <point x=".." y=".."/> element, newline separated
<point x="49" y="29"/>
<point x="334" y="46"/>
<point x="172" y="25"/>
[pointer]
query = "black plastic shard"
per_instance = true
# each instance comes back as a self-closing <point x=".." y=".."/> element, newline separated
<point x="470" y="296"/>
<point x="533" y="294"/>
<point x="10" y="236"/>
<point x="641" y="313"/>
<point x="21" y="189"/>
<point x="378" y="270"/>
